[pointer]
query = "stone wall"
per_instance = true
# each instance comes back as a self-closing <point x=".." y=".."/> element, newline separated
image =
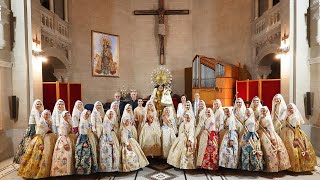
<point x="202" y="32"/>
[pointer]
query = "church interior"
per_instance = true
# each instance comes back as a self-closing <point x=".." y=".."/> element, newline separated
<point x="99" y="53"/>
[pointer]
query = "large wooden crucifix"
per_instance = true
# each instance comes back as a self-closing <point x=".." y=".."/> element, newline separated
<point x="161" y="12"/>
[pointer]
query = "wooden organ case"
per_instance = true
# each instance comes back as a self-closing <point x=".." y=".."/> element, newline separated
<point x="213" y="79"/>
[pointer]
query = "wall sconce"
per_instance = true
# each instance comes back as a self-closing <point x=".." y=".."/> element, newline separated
<point x="284" y="48"/>
<point x="37" y="52"/>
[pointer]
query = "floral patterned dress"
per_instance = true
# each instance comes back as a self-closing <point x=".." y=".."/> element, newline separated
<point x="181" y="156"/>
<point x="63" y="156"/>
<point x="109" y="160"/>
<point x="275" y="156"/>
<point x="133" y="157"/>
<point x="228" y="154"/>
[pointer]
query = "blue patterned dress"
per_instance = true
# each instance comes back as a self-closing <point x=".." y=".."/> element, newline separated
<point x="251" y="154"/>
<point x="86" y="157"/>
<point x="109" y="159"/>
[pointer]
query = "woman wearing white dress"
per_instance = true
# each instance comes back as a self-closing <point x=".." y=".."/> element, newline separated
<point x="251" y="153"/>
<point x="109" y="160"/>
<point x="97" y="117"/>
<point x="128" y="113"/>
<point x="208" y="155"/>
<point x="59" y="107"/>
<point x="150" y="137"/>
<point x="301" y="153"/>
<point x="182" y="153"/>
<point x="133" y="157"/>
<point x="76" y="113"/>
<point x="201" y="118"/>
<point x="229" y="149"/>
<point x="180" y="109"/>
<point x="276" y="156"/>
<point x="278" y="113"/>
<point x="63" y="155"/>
<point x="239" y="115"/>
<point x="169" y="131"/>
<point x="218" y="114"/>
<point x="86" y="147"/>
<point x="36" y="161"/>
<point x="34" y="119"/>
<point x="115" y="107"/>
<point x="256" y="106"/>
<point x="187" y="109"/>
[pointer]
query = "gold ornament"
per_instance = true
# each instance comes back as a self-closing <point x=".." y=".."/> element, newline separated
<point x="161" y="76"/>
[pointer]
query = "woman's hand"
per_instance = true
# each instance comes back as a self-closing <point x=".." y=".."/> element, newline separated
<point x="231" y="142"/>
<point x="41" y="147"/>
<point x="295" y="143"/>
<point x="188" y="144"/>
<point x="244" y="142"/>
<point x="129" y="148"/>
<point x="85" y="145"/>
<point x="67" y="147"/>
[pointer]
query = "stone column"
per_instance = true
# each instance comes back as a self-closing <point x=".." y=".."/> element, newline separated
<point x="270" y="4"/>
<point x="66" y="15"/>
<point x="4" y="19"/>
<point x="256" y="9"/>
<point x="51" y="5"/>
<point x="315" y="7"/>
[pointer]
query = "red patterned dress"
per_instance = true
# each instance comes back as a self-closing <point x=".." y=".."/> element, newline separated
<point x="211" y="155"/>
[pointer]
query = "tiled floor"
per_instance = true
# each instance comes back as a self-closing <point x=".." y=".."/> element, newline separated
<point x="159" y="170"/>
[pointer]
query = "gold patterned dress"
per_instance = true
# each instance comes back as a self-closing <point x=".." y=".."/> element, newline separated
<point x="36" y="162"/>
<point x="157" y="103"/>
<point x="150" y="137"/>
<point x="139" y="116"/>
<point x="300" y="149"/>
<point x="182" y="153"/>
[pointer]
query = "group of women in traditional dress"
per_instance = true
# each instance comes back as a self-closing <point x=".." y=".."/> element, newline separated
<point x="252" y="139"/>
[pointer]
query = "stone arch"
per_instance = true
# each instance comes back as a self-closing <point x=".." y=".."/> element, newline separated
<point x="269" y="49"/>
<point x="54" y="52"/>
<point x="64" y="70"/>
<point x="262" y="70"/>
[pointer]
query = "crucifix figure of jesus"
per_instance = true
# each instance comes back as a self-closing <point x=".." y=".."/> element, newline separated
<point x="161" y="12"/>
